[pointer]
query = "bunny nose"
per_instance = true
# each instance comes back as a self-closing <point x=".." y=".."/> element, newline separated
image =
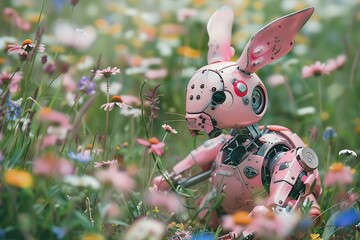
<point x="199" y="122"/>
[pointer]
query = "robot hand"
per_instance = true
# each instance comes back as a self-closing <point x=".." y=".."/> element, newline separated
<point x="203" y="156"/>
<point x="161" y="184"/>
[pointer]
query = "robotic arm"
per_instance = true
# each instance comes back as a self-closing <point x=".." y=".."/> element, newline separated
<point x="294" y="177"/>
<point x="202" y="156"/>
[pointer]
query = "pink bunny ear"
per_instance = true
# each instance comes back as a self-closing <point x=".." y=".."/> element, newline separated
<point x="219" y="30"/>
<point x="273" y="41"/>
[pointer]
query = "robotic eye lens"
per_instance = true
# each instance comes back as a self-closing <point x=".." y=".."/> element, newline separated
<point x="258" y="100"/>
<point x="218" y="97"/>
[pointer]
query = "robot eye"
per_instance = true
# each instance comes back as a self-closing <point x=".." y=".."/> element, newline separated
<point x="258" y="100"/>
<point x="218" y="97"/>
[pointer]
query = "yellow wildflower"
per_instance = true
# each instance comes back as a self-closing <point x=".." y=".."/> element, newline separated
<point x="92" y="236"/>
<point x="198" y="3"/>
<point x="18" y="178"/>
<point x="258" y="5"/>
<point x="242" y="218"/>
<point x="34" y="17"/>
<point x="324" y="116"/>
<point x="156" y="210"/>
<point x="315" y="236"/>
<point x="188" y="52"/>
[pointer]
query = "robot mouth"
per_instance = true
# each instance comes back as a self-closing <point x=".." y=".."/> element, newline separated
<point x="202" y="122"/>
<point x="199" y="122"/>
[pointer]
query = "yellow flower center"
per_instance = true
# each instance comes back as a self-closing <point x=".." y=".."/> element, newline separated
<point x="336" y="167"/>
<point x="242" y="218"/>
<point x="88" y="146"/>
<point x="117" y="148"/>
<point x="45" y="111"/>
<point x="153" y="140"/>
<point x="27" y="41"/>
<point x="270" y="215"/>
<point x="116" y="99"/>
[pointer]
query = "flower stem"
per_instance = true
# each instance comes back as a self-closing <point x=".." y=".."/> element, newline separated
<point x="166" y="133"/>
<point x="107" y="118"/>
<point x="157" y="163"/>
<point x="320" y="99"/>
<point x="142" y="109"/>
<point x="329" y="152"/>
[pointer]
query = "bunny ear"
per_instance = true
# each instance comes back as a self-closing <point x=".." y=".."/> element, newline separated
<point x="219" y="30"/>
<point x="273" y="41"/>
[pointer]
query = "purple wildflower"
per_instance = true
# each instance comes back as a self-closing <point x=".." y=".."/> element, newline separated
<point x="85" y="84"/>
<point x="329" y="133"/>
<point x="80" y="156"/>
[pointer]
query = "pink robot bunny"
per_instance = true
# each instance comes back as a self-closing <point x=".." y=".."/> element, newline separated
<point x="251" y="161"/>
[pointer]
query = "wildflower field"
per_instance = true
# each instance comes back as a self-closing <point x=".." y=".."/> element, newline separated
<point x="93" y="109"/>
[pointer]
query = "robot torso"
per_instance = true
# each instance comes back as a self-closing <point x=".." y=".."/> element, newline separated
<point x="243" y="167"/>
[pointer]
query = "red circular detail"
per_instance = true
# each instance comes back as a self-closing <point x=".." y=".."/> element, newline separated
<point x="240" y="84"/>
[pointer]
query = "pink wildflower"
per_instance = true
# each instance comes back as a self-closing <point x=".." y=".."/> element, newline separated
<point x="270" y="225"/>
<point x="107" y="72"/>
<point x="69" y="83"/>
<point x="153" y="144"/>
<point x="316" y="70"/>
<point x="168" y="128"/>
<point x="111" y="211"/>
<point x="338" y="174"/>
<point x="186" y="13"/>
<point x="15" y="18"/>
<point x="12" y="79"/>
<point x="120" y="180"/>
<point x="276" y="80"/>
<point x="105" y="163"/>
<point x="131" y="99"/>
<point x="334" y="64"/>
<point x="26" y="47"/>
<point x="53" y="117"/>
<point x="156" y="73"/>
<point x="49" y="68"/>
<point x="59" y="126"/>
<point x="236" y="223"/>
<point x="115" y="100"/>
<point x="165" y="200"/>
<point x="49" y="140"/>
<point x="51" y="165"/>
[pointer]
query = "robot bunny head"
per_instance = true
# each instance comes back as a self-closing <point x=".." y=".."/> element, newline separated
<point x="225" y="94"/>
